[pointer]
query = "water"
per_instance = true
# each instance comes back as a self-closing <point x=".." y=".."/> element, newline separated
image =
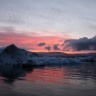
<point x="74" y="80"/>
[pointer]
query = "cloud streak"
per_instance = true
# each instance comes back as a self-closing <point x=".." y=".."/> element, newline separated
<point x="32" y="42"/>
<point x="41" y="44"/>
<point x="48" y="48"/>
<point x="55" y="46"/>
<point x="80" y="44"/>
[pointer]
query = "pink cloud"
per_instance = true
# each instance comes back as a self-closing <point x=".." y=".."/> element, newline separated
<point x="23" y="40"/>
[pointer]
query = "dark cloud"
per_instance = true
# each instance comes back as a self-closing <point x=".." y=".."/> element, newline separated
<point x="55" y="46"/>
<point x="80" y="44"/>
<point x="48" y="48"/>
<point x="41" y="44"/>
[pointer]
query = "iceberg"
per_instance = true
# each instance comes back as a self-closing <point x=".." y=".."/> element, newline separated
<point x="86" y="59"/>
<point x="15" y="56"/>
<point x="55" y="61"/>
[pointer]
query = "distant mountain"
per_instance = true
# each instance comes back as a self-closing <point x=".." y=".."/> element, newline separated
<point x="52" y="54"/>
<point x="65" y="55"/>
<point x="14" y="55"/>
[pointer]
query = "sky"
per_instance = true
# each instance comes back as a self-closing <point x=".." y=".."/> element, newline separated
<point x="49" y="25"/>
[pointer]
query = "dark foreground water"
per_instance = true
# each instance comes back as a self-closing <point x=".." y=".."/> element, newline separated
<point x="76" y="80"/>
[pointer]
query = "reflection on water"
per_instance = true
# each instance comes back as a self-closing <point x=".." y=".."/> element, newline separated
<point x="76" y="80"/>
<point x="10" y="74"/>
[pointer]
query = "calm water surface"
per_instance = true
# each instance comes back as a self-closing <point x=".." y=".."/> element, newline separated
<point x="74" y="80"/>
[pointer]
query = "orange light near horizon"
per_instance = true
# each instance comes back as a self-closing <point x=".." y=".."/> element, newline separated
<point x="30" y="43"/>
<point x="79" y="52"/>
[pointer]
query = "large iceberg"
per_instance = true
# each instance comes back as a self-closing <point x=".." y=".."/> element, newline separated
<point x="13" y="55"/>
<point x="55" y="61"/>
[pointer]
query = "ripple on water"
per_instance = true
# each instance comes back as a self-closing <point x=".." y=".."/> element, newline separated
<point x="50" y="81"/>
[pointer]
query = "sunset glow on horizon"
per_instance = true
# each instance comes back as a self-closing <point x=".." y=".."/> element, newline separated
<point x="67" y="26"/>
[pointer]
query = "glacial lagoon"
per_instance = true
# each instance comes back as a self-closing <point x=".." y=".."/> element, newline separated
<point x="68" y="80"/>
